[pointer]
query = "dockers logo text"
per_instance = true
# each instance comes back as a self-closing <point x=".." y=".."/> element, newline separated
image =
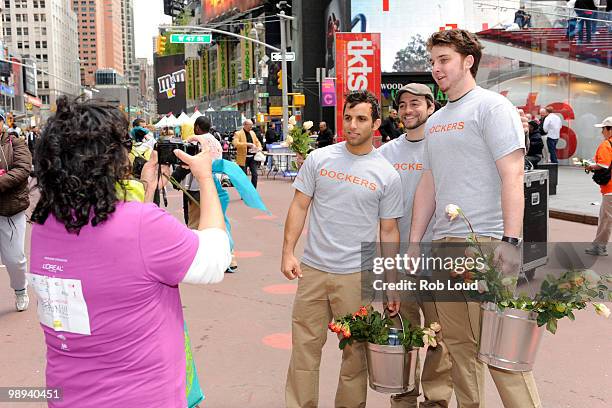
<point x="349" y="178"/>
<point x="167" y="83"/>
<point x="447" y="128"/>
<point x="408" y="166"/>
<point x="358" y="69"/>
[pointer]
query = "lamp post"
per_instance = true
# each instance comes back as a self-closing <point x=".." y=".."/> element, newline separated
<point x="255" y="34"/>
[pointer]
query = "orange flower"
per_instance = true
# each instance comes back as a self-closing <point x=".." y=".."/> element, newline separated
<point x="468" y="277"/>
<point x="578" y="281"/>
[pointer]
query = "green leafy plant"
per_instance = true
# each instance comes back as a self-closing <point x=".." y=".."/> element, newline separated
<point x="372" y="326"/>
<point x="557" y="298"/>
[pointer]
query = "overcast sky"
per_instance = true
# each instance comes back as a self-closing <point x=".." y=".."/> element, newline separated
<point x="148" y="14"/>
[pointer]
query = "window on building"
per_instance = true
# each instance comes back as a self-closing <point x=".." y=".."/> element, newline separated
<point x="44" y="99"/>
<point x="35" y="17"/>
<point x="43" y="30"/>
<point x="43" y="17"/>
<point x="44" y="44"/>
<point x="19" y="32"/>
<point x="25" y="31"/>
<point x="42" y="4"/>
<point x="37" y="44"/>
<point x="20" y="45"/>
<point x="7" y="4"/>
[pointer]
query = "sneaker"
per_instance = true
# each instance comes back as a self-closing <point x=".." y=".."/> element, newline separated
<point x="22" y="301"/>
<point x="597" y="250"/>
<point x="231" y="269"/>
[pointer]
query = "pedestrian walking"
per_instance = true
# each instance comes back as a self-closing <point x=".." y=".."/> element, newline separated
<point x="15" y="167"/>
<point x="602" y="168"/>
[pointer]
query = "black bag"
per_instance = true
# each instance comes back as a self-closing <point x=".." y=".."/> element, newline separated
<point x="603" y="176"/>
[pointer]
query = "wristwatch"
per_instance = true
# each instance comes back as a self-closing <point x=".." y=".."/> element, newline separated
<point x="511" y="240"/>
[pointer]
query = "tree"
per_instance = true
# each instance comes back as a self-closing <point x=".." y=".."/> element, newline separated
<point x="414" y="57"/>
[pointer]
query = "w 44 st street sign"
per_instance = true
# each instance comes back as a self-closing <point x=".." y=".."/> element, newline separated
<point x="191" y="39"/>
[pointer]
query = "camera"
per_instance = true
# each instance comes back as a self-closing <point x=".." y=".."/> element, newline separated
<point x="165" y="150"/>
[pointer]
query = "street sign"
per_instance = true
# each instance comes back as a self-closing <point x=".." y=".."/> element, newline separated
<point x="289" y="56"/>
<point x="191" y="39"/>
<point x="253" y="81"/>
<point x="263" y="95"/>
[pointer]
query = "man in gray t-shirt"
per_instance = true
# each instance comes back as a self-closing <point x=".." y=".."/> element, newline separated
<point x="475" y="149"/>
<point x="406" y="153"/>
<point x="350" y="190"/>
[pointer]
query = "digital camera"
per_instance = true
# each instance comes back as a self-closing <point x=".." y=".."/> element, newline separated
<point x="165" y="150"/>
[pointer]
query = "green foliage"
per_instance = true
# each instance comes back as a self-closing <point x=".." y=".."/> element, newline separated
<point x="372" y="326"/>
<point x="414" y="57"/>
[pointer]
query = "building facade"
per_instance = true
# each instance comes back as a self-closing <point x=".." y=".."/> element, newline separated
<point x="44" y="32"/>
<point x="101" y="44"/>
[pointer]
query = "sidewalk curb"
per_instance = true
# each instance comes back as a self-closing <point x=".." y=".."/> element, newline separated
<point x="573" y="217"/>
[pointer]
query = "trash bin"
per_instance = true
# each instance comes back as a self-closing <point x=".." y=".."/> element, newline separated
<point x="553" y="175"/>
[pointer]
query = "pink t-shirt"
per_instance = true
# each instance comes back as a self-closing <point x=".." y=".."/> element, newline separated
<point x="128" y="269"/>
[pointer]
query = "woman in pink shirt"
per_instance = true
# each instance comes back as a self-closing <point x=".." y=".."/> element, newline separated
<point x="106" y="270"/>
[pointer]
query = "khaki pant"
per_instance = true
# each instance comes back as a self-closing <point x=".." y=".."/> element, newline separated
<point x="410" y="312"/>
<point x="604" y="226"/>
<point x="321" y="296"/>
<point x="459" y="336"/>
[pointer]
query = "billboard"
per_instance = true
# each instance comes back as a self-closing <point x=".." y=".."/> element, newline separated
<point x="212" y="9"/>
<point x="30" y="85"/>
<point x="170" y="84"/>
<point x="357" y="68"/>
<point x="337" y="19"/>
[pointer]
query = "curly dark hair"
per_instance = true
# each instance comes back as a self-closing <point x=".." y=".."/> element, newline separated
<point x="356" y="97"/>
<point x="81" y="155"/>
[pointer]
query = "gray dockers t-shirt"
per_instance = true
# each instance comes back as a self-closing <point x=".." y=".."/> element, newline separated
<point x="406" y="157"/>
<point x="463" y="140"/>
<point x="349" y="195"/>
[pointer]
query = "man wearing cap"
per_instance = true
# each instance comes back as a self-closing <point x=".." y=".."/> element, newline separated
<point x="603" y="161"/>
<point x="15" y="167"/>
<point x="416" y="104"/>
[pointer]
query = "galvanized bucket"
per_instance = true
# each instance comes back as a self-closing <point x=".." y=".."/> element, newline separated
<point x="509" y="339"/>
<point x="391" y="368"/>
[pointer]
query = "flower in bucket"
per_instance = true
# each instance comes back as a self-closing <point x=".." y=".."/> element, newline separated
<point x="602" y="310"/>
<point x="557" y="298"/>
<point x="369" y="325"/>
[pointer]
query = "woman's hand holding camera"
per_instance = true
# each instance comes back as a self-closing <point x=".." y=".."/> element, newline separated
<point x="200" y="164"/>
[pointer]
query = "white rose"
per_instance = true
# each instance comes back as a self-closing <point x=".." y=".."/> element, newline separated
<point x="307" y="125"/>
<point x="452" y="211"/>
<point x="602" y="310"/>
<point x="290" y="127"/>
<point x="292" y="120"/>
<point x="482" y="286"/>
<point x="508" y="281"/>
<point x="435" y="326"/>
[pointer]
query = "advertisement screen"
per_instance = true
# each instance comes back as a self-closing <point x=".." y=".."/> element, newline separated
<point x="170" y="84"/>
<point x="357" y="68"/>
<point x="214" y="8"/>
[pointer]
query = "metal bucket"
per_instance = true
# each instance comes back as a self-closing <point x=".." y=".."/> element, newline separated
<point x="391" y="368"/>
<point x="509" y="339"/>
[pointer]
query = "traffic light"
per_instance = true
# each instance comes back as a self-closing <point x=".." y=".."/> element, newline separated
<point x="279" y="79"/>
<point x="161" y="44"/>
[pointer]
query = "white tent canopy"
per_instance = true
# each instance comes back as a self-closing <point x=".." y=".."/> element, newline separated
<point x="162" y="123"/>
<point x="183" y="119"/>
<point x="172" y="121"/>
<point x="195" y="115"/>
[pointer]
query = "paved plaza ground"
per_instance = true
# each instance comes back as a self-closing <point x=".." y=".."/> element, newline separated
<point x="241" y="328"/>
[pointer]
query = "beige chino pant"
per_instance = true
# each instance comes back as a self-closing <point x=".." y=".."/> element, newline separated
<point x="604" y="226"/>
<point x="320" y="297"/>
<point x="459" y="337"/>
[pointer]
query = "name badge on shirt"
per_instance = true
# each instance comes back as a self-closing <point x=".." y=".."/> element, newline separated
<point x="61" y="305"/>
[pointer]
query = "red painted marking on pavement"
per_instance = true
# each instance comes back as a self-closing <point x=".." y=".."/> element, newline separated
<point x="278" y="340"/>
<point x="385" y="5"/>
<point x="265" y="217"/>
<point x="247" y="254"/>
<point x="284" y="289"/>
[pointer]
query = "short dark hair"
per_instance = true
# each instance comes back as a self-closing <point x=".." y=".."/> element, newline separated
<point x="203" y="123"/>
<point x="137" y="122"/>
<point x="356" y="97"/>
<point x="549" y="109"/>
<point x="462" y="41"/>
